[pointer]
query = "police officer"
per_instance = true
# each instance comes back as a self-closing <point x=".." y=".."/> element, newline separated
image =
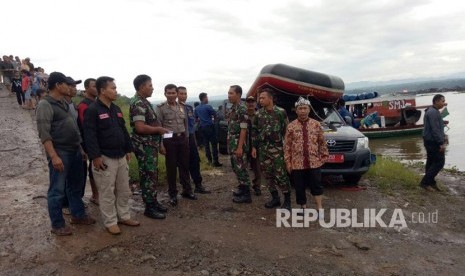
<point x="237" y="144"/>
<point x="146" y="141"/>
<point x="268" y="130"/>
<point x="175" y="144"/>
<point x="194" y="158"/>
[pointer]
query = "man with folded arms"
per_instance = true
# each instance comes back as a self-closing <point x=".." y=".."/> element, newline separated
<point x="109" y="147"/>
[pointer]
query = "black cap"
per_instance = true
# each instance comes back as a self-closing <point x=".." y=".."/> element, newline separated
<point x="73" y="81"/>
<point x="57" y="77"/>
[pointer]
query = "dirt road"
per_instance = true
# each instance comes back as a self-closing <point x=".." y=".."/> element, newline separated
<point x="214" y="236"/>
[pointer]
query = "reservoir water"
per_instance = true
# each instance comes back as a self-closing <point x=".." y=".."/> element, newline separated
<point x="411" y="148"/>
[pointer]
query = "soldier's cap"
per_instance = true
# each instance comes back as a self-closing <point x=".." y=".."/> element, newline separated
<point x="250" y="99"/>
<point x="302" y="101"/>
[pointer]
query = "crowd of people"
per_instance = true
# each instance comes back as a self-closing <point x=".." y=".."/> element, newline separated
<point x="91" y="140"/>
<point x="23" y="79"/>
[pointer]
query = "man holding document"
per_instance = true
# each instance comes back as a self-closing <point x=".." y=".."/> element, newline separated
<point x="146" y="137"/>
<point x="175" y="144"/>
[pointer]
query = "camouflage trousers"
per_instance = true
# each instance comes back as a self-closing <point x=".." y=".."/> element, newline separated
<point x="147" y="159"/>
<point x="273" y="167"/>
<point x="240" y="166"/>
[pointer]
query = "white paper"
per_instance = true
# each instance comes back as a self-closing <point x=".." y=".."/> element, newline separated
<point x="168" y="135"/>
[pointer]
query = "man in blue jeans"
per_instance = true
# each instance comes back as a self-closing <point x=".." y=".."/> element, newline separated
<point x="205" y="113"/>
<point x="60" y="136"/>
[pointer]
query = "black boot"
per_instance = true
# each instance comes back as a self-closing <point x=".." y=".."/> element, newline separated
<point x="257" y="190"/>
<point x="151" y="211"/>
<point x="161" y="208"/>
<point x="274" y="202"/>
<point x="287" y="201"/>
<point x="244" y="197"/>
<point x="199" y="189"/>
<point x="239" y="190"/>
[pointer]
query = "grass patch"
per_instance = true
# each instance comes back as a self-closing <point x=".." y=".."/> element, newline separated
<point x="391" y="176"/>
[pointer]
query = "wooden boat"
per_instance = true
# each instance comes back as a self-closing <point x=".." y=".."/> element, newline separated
<point x="410" y="123"/>
<point x="389" y="106"/>
<point x="298" y="82"/>
<point x="393" y="131"/>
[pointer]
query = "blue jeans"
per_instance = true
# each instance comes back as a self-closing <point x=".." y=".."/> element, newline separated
<point x="66" y="184"/>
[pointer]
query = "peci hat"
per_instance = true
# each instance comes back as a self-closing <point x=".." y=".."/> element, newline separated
<point x="73" y="82"/>
<point x="57" y="77"/>
<point x="250" y="99"/>
<point x="302" y="101"/>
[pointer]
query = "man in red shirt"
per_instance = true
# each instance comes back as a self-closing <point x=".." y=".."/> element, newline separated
<point x="90" y="94"/>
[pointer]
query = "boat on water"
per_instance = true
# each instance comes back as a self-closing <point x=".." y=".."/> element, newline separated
<point x="388" y="106"/>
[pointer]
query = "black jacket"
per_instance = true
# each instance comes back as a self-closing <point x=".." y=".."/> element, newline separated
<point x="105" y="132"/>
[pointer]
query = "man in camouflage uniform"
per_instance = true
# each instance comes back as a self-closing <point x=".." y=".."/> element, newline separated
<point x="251" y="104"/>
<point x="146" y="140"/>
<point x="268" y="130"/>
<point x="237" y="144"/>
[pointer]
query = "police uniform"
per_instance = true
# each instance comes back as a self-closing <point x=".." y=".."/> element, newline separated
<point x="177" y="147"/>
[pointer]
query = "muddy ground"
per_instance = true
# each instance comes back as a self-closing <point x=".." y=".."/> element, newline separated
<point x="214" y="236"/>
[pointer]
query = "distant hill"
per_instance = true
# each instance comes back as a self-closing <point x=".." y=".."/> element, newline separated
<point x="411" y="85"/>
<point x="417" y="85"/>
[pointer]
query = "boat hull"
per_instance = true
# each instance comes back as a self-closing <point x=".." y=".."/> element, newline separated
<point x="298" y="82"/>
<point x="387" y="132"/>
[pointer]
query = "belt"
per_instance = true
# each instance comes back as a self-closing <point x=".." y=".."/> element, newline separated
<point x="179" y="134"/>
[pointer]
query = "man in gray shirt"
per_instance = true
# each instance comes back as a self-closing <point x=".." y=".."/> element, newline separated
<point x="60" y="136"/>
<point x="435" y="142"/>
<point x="172" y="116"/>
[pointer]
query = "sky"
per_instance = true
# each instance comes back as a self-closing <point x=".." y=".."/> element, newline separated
<point x="209" y="45"/>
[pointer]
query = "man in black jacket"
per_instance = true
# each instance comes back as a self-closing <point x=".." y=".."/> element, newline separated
<point x="109" y="146"/>
<point x="435" y="142"/>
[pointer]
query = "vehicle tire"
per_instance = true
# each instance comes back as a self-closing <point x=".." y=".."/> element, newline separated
<point x="352" y="179"/>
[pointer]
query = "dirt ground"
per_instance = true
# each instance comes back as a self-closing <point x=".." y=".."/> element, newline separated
<point x="214" y="236"/>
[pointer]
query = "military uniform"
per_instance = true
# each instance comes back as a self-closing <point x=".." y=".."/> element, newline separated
<point x="146" y="147"/>
<point x="254" y="162"/>
<point x="268" y="130"/>
<point x="237" y="121"/>
<point x="177" y="147"/>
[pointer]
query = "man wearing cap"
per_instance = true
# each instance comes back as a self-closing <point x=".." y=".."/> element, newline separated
<point x="305" y="151"/>
<point x="237" y="144"/>
<point x="172" y="115"/>
<point x="73" y="111"/>
<point x="268" y="129"/>
<point x="251" y="104"/>
<point x="60" y="136"/>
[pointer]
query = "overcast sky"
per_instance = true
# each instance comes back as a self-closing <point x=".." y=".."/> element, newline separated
<point x="208" y="45"/>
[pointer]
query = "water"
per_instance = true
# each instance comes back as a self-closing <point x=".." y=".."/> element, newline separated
<point x="411" y="148"/>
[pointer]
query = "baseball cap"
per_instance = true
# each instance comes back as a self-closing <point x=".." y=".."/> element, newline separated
<point x="73" y="81"/>
<point x="250" y="99"/>
<point x="57" y="77"/>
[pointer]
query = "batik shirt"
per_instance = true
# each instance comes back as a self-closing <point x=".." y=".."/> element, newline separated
<point x="305" y="146"/>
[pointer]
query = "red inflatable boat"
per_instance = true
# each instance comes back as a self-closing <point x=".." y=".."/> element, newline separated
<point x="299" y="82"/>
